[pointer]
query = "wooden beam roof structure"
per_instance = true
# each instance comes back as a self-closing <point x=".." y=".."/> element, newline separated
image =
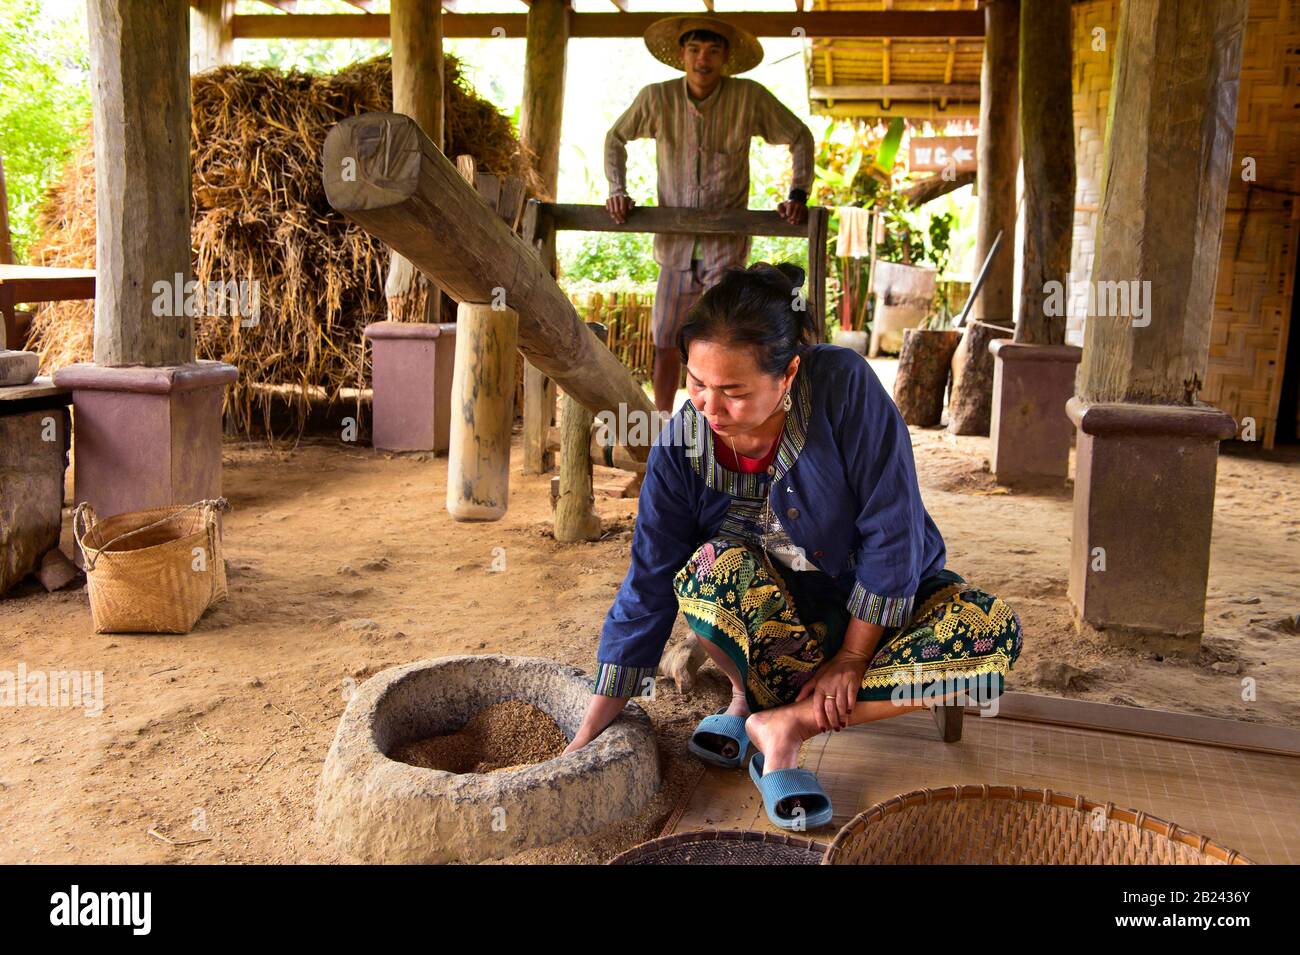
<point x="933" y="24"/>
<point x="870" y="59"/>
<point x="934" y="77"/>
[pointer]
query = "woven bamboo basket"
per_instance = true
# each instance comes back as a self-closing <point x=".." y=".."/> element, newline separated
<point x="1003" y="825"/>
<point x="152" y="571"/>
<point x="724" y="847"/>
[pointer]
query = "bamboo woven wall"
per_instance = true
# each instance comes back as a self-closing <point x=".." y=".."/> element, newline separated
<point x="1252" y="302"/>
<point x="627" y="315"/>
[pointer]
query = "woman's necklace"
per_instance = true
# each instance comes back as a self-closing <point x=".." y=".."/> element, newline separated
<point x="767" y="518"/>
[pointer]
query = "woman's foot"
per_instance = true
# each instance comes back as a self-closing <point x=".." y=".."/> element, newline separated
<point x="778" y="733"/>
<point x="724" y="746"/>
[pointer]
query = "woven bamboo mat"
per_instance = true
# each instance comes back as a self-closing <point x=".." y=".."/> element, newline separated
<point x="1244" y="800"/>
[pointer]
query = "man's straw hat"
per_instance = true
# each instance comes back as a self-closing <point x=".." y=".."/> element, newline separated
<point x="662" y="36"/>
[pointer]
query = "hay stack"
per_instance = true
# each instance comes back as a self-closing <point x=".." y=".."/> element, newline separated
<point x="260" y="213"/>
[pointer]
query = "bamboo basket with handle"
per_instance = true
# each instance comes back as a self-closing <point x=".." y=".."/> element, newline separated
<point x="1001" y="825"/>
<point x="152" y="571"/>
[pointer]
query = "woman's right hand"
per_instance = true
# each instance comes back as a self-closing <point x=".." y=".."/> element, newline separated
<point x="601" y="711"/>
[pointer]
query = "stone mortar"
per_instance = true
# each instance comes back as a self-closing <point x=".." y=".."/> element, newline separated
<point x="379" y="810"/>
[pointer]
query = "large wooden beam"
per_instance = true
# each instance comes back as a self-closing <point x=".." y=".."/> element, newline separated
<point x="383" y="173"/>
<point x="542" y="111"/>
<point x="1168" y="158"/>
<point x="1047" y="144"/>
<point x="141" y="97"/>
<point x="868" y="109"/>
<point x="818" y="23"/>
<point x="891" y="91"/>
<point x="417" y="93"/>
<point x="685" y="221"/>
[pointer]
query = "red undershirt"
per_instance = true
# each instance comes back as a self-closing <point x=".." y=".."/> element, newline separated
<point x="724" y="455"/>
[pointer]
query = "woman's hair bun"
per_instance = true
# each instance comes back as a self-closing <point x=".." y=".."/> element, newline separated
<point x="792" y="272"/>
<point x="788" y="270"/>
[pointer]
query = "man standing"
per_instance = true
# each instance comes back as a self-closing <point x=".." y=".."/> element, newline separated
<point x="701" y="125"/>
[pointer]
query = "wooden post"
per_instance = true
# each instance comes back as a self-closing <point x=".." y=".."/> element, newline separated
<point x="539" y="391"/>
<point x="541" y="117"/>
<point x="1047" y="140"/>
<point x="6" y="237"/>
<point x="971" y="395"/>
<point x="999" y="155"/>
<point x="141" y="100"/>
<point x="818" y="221"/>
<point x="483" y="410"/>
<point x="1147" y="449"/>
<point x="541" y="114"/>
<point x="1168" y="157"/>
<point x="212" y="41"/>
<point x="538" y="404"/>
<point x="415" y="27"/>
<point x="575" y="511"/>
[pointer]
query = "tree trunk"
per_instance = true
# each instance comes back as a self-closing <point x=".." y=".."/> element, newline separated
<point x="1047" y="143"/>
<point x="923" y="367"/>
<point x="999" y="157"/>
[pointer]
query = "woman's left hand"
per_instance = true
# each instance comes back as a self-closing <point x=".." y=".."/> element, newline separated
<point x="836" y="684"/>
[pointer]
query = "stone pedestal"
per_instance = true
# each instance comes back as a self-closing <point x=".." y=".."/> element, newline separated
<point x="1030" y="431"/>
<point x="411" y="368"/>
<point x="146" y="436"/>
<point x="1143" y="511"/>
<point x="33" y="457"/>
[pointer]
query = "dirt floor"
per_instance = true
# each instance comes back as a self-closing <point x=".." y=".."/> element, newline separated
<point x="344" y="561"/>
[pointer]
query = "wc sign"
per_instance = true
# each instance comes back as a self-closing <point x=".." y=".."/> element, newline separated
<point x="937" y="153"/>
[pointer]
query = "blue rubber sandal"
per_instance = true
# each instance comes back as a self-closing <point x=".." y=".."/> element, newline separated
<point x="782" y="784"/>
<point x="720" y="724"/>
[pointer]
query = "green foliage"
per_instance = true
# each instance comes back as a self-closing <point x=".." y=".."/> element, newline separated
<point x="606" y="256"/>
<point x="888" y="152"/>
<point x="915" y="236"/>
<point x="44" y="105"/>
<point x="846" y="167"/>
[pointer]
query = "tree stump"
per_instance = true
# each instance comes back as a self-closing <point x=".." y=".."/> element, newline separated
<point x="970" y="407"/>
<point x="923" y="366"/>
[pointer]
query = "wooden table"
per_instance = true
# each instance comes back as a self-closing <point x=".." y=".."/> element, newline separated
<point x="38" y="283"/>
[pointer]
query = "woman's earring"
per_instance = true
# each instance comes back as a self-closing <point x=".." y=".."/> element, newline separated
<point x="786" y="402"/>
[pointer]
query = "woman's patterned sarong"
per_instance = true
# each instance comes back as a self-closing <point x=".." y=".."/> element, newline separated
<point x="779" y="625"/>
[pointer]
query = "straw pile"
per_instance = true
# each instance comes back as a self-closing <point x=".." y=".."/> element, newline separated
<point x="260" y="214"/>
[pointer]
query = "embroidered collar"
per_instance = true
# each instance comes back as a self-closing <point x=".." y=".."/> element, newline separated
<point x="699" y="437"/>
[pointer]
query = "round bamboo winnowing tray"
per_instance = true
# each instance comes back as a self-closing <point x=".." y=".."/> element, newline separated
<point x="1010" y="825"/>
<point x="724" y="847"/>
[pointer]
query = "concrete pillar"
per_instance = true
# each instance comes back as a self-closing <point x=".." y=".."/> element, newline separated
<point x="411" y="367"/>
<point x="1030" y="431"/>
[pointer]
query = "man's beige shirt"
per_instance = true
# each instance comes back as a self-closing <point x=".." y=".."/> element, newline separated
<point x="702" y="154"/>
